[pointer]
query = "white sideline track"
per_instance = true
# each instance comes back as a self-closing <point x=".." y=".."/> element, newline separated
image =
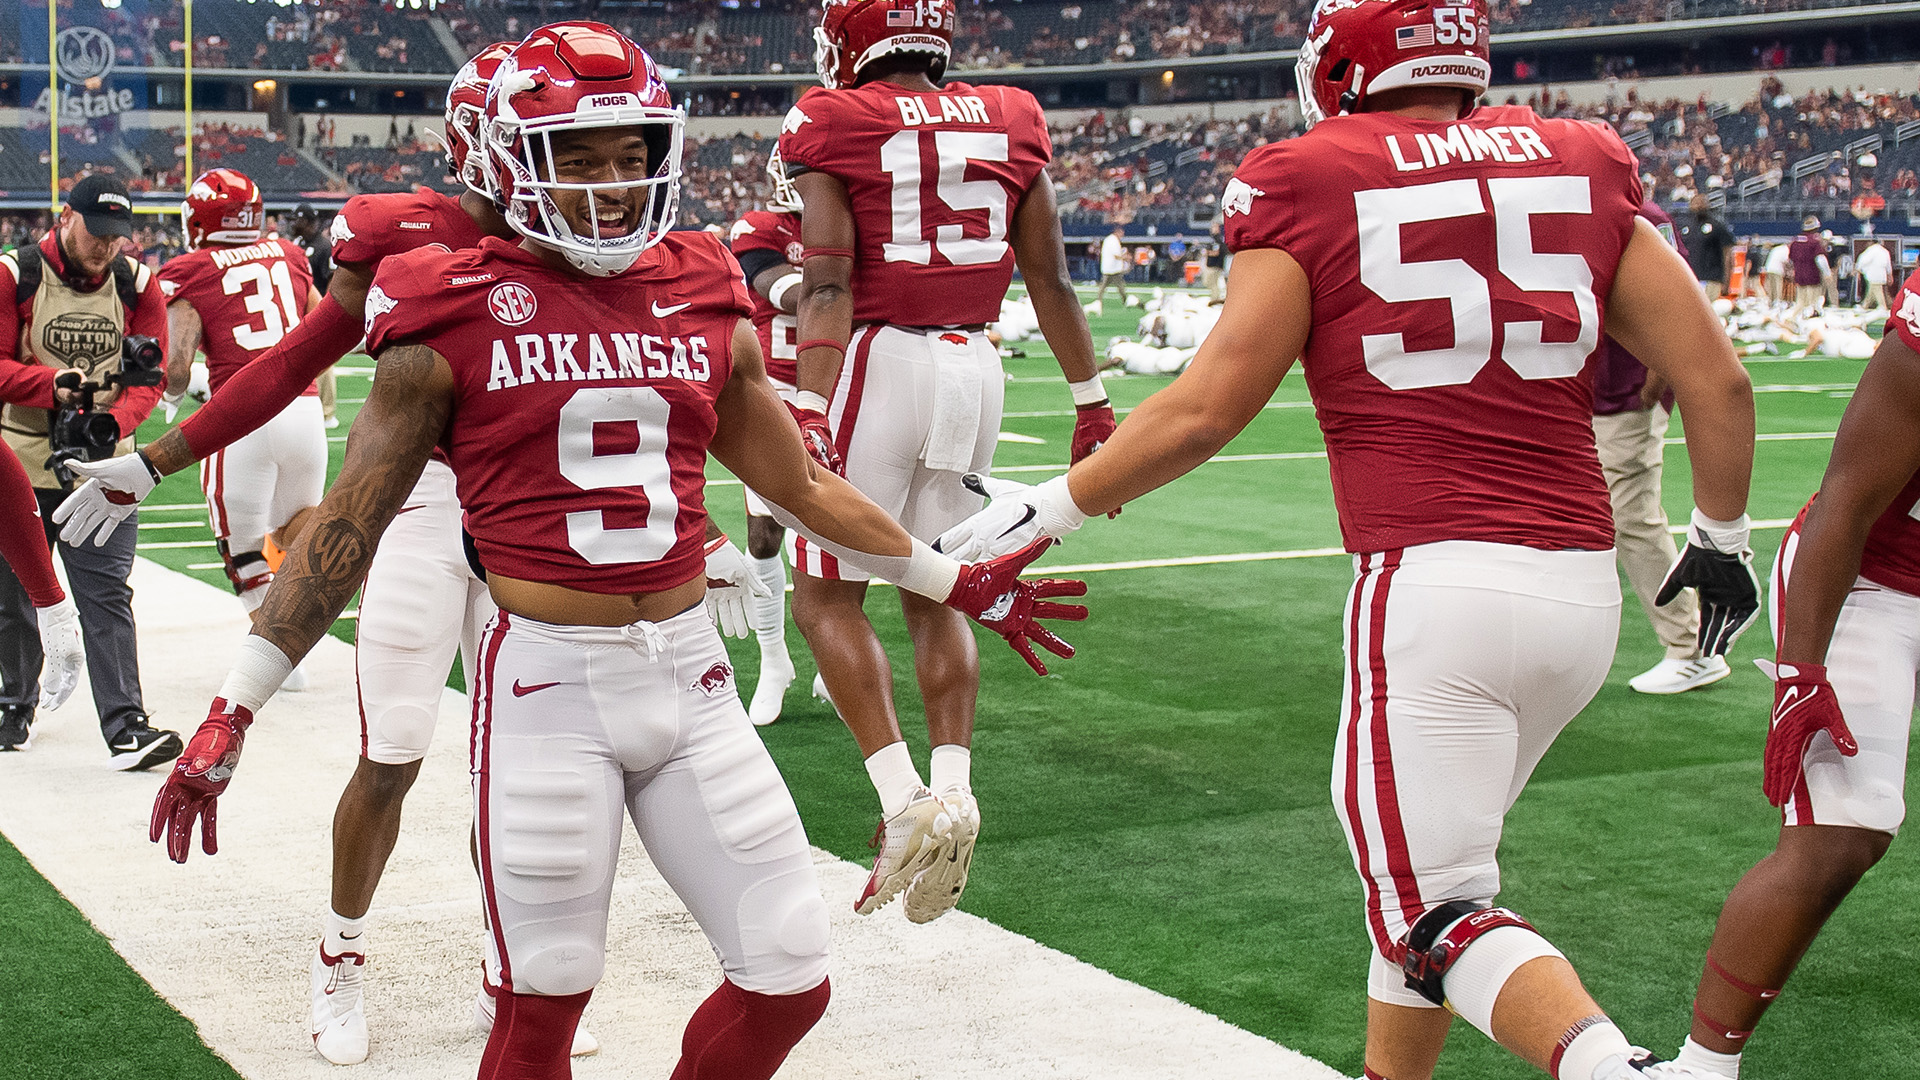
<point x="227" y="939"/>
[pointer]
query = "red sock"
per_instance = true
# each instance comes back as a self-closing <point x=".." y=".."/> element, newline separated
<point x="739" y="1035"/>
<point x="532" y="1036"/>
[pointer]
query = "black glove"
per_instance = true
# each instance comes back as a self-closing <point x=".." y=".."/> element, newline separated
<point x="1717" y="564"/>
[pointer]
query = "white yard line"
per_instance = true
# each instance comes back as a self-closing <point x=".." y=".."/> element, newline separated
<point x="226" y="939"/>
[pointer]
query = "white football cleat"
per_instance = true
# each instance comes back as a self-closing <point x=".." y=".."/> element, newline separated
<point x="820" y="691"/>
<point x="770" y="693"/>
<point x="938" y="888"/>
<point x="1682" y="675"/>
<point x="584" y="1044"/>
<point x="1639" y="1064"/>
<point x="909" y="841"/>
<point x="339" y="1021"/>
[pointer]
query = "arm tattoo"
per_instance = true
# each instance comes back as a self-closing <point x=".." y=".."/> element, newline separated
<point x="405" y="414"/>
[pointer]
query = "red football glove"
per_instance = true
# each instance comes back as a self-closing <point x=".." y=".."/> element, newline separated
<point x="817" y="435"/>
<point x="197" y="780"/>
<point x="1092" y="425"/>
<point x="1803" y="706"/>
<point x="992" y="594"/>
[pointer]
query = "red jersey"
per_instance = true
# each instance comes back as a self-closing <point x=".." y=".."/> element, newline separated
<point x="1458" y="273"/>
<point x="371" y="227"/>
<point x="933" y="180"/>
<point x="1892" y="555"/>
<point x="583" y="406"/>
<point x="247" y="299"/>
<point x="764" y="230"/>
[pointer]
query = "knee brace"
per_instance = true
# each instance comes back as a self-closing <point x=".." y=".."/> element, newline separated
<point x="246" y="571"/>
<point x="1435" y="941"/>
<point x="783" y="935"/>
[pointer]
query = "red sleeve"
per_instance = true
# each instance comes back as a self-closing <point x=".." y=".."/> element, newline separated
<point x="1257" y="204"/>
<point x="20" y="384"/>
<point x="136" y="403"/>
<point x="23" y="540"/>
<point x="359" y="232"/>
<point x="256" y="393"/>
<point x="755" y="232"/>
<point x="804" y="136"/>
<point x="407" y="304"/>
<point x="1905" y="323"/>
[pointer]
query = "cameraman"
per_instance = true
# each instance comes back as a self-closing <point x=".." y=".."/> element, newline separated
<point x="75" y="300"/>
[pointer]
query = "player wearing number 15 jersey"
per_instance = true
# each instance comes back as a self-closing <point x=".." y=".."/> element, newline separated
<point x="233" y="295"/>
<point x="1443" y="274"/>
<point x="918" y="202"/>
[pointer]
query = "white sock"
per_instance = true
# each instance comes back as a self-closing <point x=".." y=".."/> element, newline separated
<point x="768" y="614"/>
<point x="1591" y="1049"/>
<point x="1700" y="1059"/>
<point x="344" y="935"/>
<point x="951" y="768"/>
<point x="894" y="777"/>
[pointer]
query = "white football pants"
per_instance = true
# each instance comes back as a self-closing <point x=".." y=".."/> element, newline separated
<point x="420" y="605"/>
<point x="257" y="483"/>
<point x="574" y="724"/>
<point x="1464" y="662"/>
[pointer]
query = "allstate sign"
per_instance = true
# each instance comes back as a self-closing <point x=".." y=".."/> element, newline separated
<point x="84" y="55"/>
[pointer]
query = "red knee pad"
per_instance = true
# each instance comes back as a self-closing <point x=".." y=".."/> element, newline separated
<point x="739" y="1035"/>
<point x="532" y="1036"/>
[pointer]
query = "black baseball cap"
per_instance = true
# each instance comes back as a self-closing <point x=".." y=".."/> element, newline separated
<point x="103" y="203"/>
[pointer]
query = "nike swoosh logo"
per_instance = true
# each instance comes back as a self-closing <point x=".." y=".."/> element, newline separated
<point x="662" y="312"/>
<point x="1016" y="525"/>
<point x="523" y="691"/>
<point x="1793" y="699"/>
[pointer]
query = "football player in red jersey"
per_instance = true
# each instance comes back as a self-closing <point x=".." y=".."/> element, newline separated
<point x="23" y="546"/>
<point x="1846" y="624"/>
<point x="1444" y="273"/>
<point x="919" y="202"/>
<point x="577" y="382"/>
<point x="235" y="294"/>
<point x="767" y="244"/>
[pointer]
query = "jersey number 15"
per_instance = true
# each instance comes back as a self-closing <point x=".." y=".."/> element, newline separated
<point x="900" y="159"/>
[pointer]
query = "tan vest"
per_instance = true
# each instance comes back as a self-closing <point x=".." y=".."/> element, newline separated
<point x="68" y="329"/>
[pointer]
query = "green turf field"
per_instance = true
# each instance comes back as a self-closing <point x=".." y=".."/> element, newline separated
<point x="1159" y="806"/>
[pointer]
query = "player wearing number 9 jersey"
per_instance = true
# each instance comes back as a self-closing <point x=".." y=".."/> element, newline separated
<point x="1443" y="274"/>
<point x="1846" y="624"/>
<point x="918" y="201"/>
<point x="233" y="295"/>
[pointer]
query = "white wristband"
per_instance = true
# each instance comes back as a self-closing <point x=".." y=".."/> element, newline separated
<point x="1731" y="537"/>
<point x="808" y="401"/>
<point x="1089" y="392"/>
<point x="256" y="673"/>
<point x="777" y="293"/>
<point x="929" y="573"/>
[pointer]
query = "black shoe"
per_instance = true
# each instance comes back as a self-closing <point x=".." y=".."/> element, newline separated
<point x="16" y="727"/>
<point x="142" y="747"/>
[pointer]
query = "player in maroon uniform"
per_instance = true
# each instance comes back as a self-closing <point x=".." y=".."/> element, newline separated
<point x="577" y="381"/>
<point x="234" y="294"/>
<point x="1444" y="274"/>
<point x="1846" y="623"/>
<point x="919" y="202"/>
<point x="23" y="546"/>
<point x="767" y="244"/>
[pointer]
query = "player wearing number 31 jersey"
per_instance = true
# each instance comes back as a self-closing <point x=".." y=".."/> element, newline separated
<point x="1443" y="274"/>
<point x="234" y="295"/>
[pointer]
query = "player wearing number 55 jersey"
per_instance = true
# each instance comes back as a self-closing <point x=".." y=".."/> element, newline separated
<point x="1443" y="274"/>
<point x="577" y="381"/>
<point x="1846" y="623"/>
<point x="234" y="295"/>
<point x="918" y="202"/>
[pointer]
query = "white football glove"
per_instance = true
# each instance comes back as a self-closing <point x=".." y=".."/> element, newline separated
<point x="729" y="583"/>
<point x="1016" y="515"/>
<point x="60" y="640"/>
<point x="113" y="490"/>
<point x="170" y="406"/>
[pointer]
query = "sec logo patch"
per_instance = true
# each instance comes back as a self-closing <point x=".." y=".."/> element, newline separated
<point x="795" y="253"/>
<point x="511" y="302"/>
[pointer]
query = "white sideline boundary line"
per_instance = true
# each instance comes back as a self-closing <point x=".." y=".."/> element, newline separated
<point x="227" y="939"/>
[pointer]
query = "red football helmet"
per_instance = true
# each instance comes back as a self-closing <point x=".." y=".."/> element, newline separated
<point x="573" y="76"/>
<point x="853" y="33"/>
<point x="222" y="207"/>
<point x="1360" y="47"/>
<point x="466" y="101"/>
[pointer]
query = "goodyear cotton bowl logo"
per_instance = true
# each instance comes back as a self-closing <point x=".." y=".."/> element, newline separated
<point x="512" y="303"/>
<point x="80" y="340"/>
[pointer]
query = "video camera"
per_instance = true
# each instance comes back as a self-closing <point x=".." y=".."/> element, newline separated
<point x="82" y="432"/>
